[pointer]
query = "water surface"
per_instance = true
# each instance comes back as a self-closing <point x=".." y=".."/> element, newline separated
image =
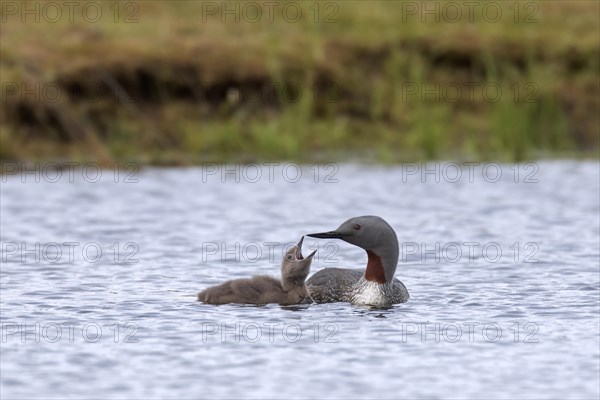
<point x="520" y="324"/>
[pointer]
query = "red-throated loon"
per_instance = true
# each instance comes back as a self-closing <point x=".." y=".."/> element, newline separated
<point x="376" y="286"/>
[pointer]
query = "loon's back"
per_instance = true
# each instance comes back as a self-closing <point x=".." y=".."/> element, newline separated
<point x="333" y="284"/>
<point x="255" y="290"/>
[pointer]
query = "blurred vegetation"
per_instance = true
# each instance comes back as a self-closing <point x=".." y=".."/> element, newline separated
<point x="183" y="82"/>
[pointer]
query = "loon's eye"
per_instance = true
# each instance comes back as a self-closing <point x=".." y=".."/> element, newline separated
<point x="356" y="227"/>
<point x="288" y="257"/>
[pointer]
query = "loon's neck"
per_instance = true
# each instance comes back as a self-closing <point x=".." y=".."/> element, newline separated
<point x="295" y="283"/>
<point x="381" y="264"/>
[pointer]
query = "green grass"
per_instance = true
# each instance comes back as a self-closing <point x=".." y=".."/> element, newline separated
<point x="374" y="84"/>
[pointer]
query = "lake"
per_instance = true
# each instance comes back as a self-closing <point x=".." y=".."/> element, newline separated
<point x="100" y="270"/>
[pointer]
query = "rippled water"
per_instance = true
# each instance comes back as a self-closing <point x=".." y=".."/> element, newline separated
<point x="523" y="324"/>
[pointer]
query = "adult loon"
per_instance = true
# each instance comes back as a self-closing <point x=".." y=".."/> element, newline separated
<point x="376" y="286"/>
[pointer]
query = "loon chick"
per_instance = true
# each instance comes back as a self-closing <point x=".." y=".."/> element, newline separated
<point x="266" y="289"/>
<point x="376" y="286"/>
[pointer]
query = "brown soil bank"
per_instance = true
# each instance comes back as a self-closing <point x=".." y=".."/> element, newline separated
<point x="186" y="82"/>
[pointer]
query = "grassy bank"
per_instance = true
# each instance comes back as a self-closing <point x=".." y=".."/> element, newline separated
<point x="184" y="82"/>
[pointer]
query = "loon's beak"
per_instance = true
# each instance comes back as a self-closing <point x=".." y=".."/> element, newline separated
<point x="299" y="249"/>
<point x="326" y="235"/>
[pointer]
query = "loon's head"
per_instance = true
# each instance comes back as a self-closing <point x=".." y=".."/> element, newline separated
<point x="377" y="237"/>
<point x="295" y="267"/>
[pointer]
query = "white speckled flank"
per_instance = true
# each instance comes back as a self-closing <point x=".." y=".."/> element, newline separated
<point x="372" y="294"/>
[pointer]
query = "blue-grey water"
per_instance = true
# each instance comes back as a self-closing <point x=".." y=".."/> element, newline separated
<point x="99" y="276"/>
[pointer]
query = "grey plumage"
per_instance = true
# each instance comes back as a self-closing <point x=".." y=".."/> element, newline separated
<point x="291" y="289"/>
<point x="331" y="285"/>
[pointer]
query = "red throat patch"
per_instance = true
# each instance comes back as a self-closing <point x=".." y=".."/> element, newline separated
<point x="374" y="272"/>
